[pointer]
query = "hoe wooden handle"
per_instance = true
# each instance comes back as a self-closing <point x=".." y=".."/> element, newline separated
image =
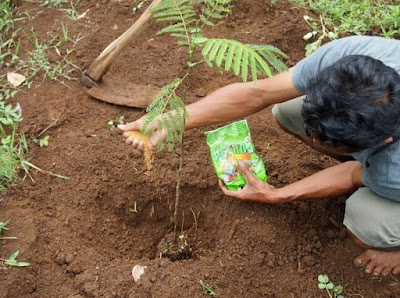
<point x="102" y="63"/>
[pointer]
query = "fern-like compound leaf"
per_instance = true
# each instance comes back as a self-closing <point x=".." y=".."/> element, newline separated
<point x="166" y="113"/>
<point x="215" y="49"/>
<point x="180" y="11"/>
<point x="243" y="58"/>
<point x="214" y="9"/>
<point x="207" y="48"/>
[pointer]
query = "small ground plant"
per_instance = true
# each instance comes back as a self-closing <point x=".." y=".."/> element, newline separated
<point x="207" y="289"/>
<point x="12" y="260"/>
<point x="332" y="290"/>
<point x="13" y="145"/>
<point x="189" y="18"/>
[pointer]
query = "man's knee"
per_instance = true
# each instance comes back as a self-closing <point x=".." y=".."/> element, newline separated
<point x="372" y="220"/>
<point x="288" y="114"/>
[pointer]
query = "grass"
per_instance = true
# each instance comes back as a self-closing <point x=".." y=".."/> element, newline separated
<point x="357" y="17"/>
<point x="14" y="146"/>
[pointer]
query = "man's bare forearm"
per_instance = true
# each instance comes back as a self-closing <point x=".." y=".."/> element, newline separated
<point x="239" y="100"/>
<point x="334" y="181"/>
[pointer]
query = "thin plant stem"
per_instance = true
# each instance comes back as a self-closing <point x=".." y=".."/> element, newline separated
<point x="177" y="190"/>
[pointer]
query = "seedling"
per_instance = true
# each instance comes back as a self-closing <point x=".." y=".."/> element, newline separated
<point x="136" y="8"/>
<point x="3" y="227"/>
<point x="320" y="31"/>
<point x="333" y="291"/>
<point x="133" y="209"/>
<point x="12" y="261"/>
<point x="207" y="289"/>
<point x="42" y="142"/>
<point x="167" y="110"/>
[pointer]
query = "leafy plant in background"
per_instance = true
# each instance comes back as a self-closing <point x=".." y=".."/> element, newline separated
<point x="354" y="17"/>
<point x="38" y="60"/>
<point x="320" y="31"/>
<point x="113" y="123"/>
<point x="44" y="142"/>
<point x="8" y="45"/>
<point x="13" y="146"/>
<point x="167" y="110"/>
<point x="11" y="261"/>
<point x="333" y="291"/>
<point x="3" y="226"/>
<point x="139" y="6"/>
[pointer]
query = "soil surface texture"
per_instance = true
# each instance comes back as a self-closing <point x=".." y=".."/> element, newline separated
<point x="82" y="236"/>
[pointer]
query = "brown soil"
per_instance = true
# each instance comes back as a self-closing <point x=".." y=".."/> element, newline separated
<point x="80" y="236"/>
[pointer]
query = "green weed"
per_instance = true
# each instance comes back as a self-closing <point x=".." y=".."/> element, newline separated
<point x="333" y="291"/>
<point x="12" y="261"/>
<point x="54" y="3"/>
<point x="207" y="289"/>
<point x="3" y="226"/>
<point x="44" y="142"/>
<point x="112" y="124"/>
<point x="138" y="6"/>
<point x="8" y="32"/>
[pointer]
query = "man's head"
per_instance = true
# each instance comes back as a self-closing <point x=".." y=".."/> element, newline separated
<point x="353" y="103"/>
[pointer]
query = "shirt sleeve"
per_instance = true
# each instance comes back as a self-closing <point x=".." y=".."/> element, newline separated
<point x="328" y="54"/>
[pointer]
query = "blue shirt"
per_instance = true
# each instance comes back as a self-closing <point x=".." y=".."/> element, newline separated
<point x="381" y="165"/>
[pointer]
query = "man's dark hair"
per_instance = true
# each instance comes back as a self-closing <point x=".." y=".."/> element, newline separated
<point x="355" y="102"/>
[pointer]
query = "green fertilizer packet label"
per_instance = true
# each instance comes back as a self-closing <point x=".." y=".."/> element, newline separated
<point x="230" y="144"/>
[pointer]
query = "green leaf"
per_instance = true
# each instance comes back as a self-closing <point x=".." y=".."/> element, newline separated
<point x="323" y="278"/>
<point x="321" y="286"/>
<point x="253" y="68"/>
<point x="215" y="49"/>
<point x="199" y="40"/>
<point x="245" y="64"/>
<point x="206" y="21"/>
<point x="238" y="60"/>
<point x="229" y="57"/>
<point x="208" y="47"/>
<point x="221" y="54"/>
<point x="13" y="256"/>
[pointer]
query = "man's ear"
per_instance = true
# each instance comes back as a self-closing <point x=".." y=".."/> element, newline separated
<point x="316" y="140"/>
<point x="387" y="141"/>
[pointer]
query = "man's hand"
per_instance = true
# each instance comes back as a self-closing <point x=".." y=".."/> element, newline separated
<point x="137" y="125"/>
<point x="255" y="190"/>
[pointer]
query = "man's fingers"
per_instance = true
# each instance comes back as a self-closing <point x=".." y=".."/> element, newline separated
<point x="245" y="170"/>
<point x="129" y="126"/>
<point x="157" y="136"/>
<point x="229" y="193"/>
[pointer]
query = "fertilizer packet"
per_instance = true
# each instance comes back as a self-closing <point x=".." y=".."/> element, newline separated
<point x="230" y="144"/>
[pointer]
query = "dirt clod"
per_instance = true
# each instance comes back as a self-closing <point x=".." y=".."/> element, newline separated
<point x="175" y="251"/>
